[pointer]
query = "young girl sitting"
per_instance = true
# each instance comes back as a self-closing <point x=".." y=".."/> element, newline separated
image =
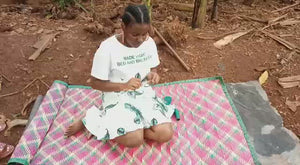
<point x="123" y="67"/>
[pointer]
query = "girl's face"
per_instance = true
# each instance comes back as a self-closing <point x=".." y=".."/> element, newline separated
<point x="135" y="34"/>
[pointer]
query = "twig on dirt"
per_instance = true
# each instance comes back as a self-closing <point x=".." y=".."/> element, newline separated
<point x="285" y="43"/>
<point x="172" y="50"/>
<point x="80" y="6"/>
<point x="287" y="7"/>
<point x="253" y="19"/>
<point x="292" y="105"/>
<point x="7" y="79"/>
<point x="22" y="53"/>
<point x="289" y="22"/>
<point x="46" y="40"/>
<point x="13" y="123"/>
<point x="26" y="105"/>
<point x="217" y="37"/>
<point x="290" y="55"/>
<point x="1" y="80"/>
<point x="19" y="91"/>
<point x="43" y="82"/>
<point x="286" y="35"/>
<point x="271" y="21"/>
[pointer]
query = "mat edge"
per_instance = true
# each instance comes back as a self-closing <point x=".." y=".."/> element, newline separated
<point x="72" y="86"/>
<point x="239" y="118"/>
<point x="18" y="160"/>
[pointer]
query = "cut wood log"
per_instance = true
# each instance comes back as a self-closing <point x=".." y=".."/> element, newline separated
<point x="42" y="45"/>
<point x="289" y="84"/>
<point x="172" y="50"/>
<point x="287" y="7"/>
<point x="289" y="79"/>
<point x="230" y="38"/>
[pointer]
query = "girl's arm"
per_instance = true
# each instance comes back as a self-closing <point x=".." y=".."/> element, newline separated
<point x="106" y="86"/>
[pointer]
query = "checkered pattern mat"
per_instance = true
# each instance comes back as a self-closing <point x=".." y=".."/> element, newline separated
<point x="210" y="130"/>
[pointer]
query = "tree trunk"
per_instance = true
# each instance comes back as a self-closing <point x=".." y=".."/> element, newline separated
<point x="199" y="13"/>
<point x="214" y="13"/>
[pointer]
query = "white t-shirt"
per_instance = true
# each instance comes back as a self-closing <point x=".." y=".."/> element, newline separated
<point x="117" y="63"/>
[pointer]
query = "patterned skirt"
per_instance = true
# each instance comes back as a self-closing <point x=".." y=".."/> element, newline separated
<point x="123" y="112"/>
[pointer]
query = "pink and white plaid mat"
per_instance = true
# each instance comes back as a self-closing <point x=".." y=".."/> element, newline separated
<point x="210" y="130"/>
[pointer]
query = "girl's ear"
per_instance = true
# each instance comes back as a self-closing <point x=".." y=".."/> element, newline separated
<point x="123" y="26"/>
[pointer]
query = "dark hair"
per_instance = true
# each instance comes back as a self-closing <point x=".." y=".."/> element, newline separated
<point x="136" y="14"/>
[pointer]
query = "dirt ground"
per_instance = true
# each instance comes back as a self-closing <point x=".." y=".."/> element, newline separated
<point x="70" y="55"/>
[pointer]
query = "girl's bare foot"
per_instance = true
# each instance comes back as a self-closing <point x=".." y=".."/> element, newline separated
<point x="74" y="128"/>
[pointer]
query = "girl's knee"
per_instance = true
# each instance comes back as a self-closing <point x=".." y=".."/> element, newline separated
<point x="134" y="142"/>
<point x="132" y="139"/>
<point x="165" y="136"/>
<point x="164" y="133"/>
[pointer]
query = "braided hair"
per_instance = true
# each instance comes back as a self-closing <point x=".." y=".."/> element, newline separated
<point x="136" y="14"/>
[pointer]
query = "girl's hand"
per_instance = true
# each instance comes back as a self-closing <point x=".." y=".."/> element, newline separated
<point x="133" y="84"/>
<point x="153" y="78"/>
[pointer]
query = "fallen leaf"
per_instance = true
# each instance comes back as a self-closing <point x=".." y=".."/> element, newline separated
<point x="263" y="77"/>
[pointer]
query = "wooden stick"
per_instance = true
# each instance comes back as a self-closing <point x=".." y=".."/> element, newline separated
<point x="13" y="123"/>
<point x="80" y="6"/>
<point x="287" y="7"/>
<point x="172" y="50"/>
<point x="7" y="79"/>
<point x="281" y="41"/>
<point x="254" y="19"/>
<point x="277" y="19"/>
<point x="48" y="39"/>
<point x="26" y="105"/>
<point x="43" y="82"/>
<point x="19" y="91"/>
